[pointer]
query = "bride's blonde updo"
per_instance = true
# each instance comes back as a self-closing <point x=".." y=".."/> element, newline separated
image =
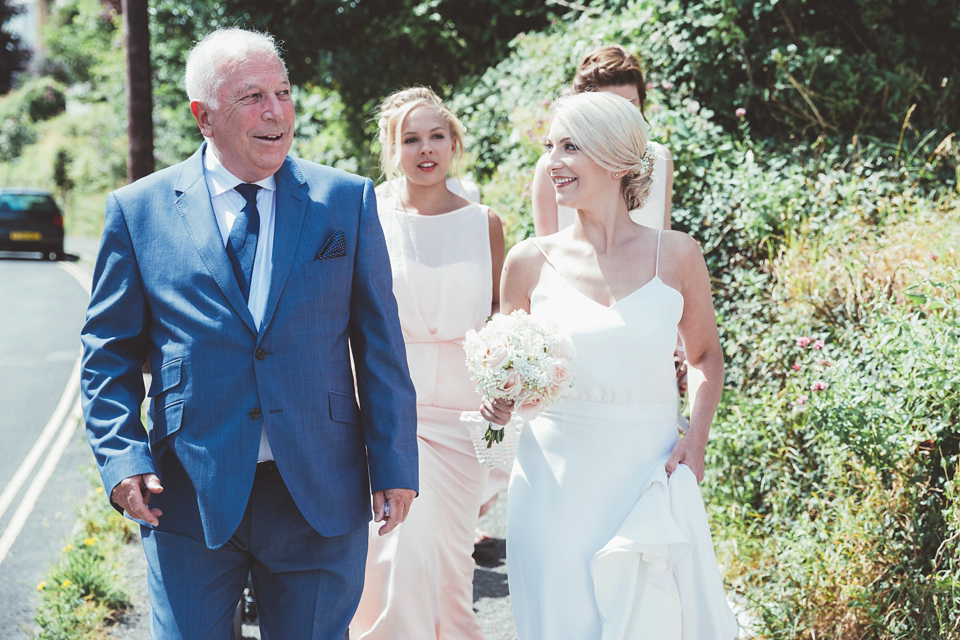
<point x="394" y="110"/>
<point x="612" y="132"/>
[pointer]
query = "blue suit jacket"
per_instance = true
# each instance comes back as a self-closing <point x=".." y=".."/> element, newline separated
<point x="163" y="289"/>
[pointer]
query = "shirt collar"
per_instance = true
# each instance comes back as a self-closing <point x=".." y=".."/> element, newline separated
<point x="220" y="180"/>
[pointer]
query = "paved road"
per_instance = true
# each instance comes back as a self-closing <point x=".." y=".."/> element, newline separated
<point x="41" y="449"/>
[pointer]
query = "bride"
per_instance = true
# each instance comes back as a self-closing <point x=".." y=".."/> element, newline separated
<point x="607" y="536"/>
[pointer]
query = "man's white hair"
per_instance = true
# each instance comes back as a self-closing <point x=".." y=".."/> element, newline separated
<point x="209" y="62"/>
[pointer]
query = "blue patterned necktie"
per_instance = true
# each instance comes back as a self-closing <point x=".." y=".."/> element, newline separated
<point x="242" y="244"/>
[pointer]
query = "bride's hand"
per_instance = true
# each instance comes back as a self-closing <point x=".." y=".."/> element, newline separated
<point x="496" y="411"/>
<point x="690" y="452"/>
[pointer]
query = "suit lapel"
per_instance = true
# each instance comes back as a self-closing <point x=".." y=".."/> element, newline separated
<point x="196" y="211"/>
<point x="292" y="198"/>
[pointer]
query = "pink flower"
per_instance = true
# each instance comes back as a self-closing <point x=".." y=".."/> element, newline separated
<point x="740" y="112"/>
<point x="803" y="341"/>
<point x="796" y="367"/>
<point x="819" y="385"/>
<point x="693" y="106"/>
<point x="666" y="84"/>
<point x="510" y="387"/>
<point x="818" y="345"/>
<point x="823" y="362"/>
<point x="494" y="355"/>
<point x="650" y="86"/>
<point x="655" y="108"/>
<point x="801" y="400"/>
<point x="559" y="377"/>
<point x="530" y="407"/>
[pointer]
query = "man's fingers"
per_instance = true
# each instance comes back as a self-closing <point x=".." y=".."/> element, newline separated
<point x="152" y="483"/>
<point x="398" y="507"/>
<point x="132" y="495"/>
<point x="378" y="502"/>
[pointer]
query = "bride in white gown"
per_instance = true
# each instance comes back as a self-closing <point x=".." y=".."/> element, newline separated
<point x="607" y="536"/>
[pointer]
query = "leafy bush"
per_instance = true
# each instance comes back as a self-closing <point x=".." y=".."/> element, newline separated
<point x="16" y="131"/>
<point x="844" y="470"/>
<point x="43" y="98"/>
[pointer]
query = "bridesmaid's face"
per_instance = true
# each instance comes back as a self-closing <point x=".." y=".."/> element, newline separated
<point x="427" y="148"/>
<point x="577" y="179"/>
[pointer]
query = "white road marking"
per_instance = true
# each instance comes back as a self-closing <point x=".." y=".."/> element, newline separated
<point x="63" y="420"/>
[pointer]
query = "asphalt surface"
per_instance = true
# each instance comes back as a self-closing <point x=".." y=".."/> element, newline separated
<point x="42" y="451"/>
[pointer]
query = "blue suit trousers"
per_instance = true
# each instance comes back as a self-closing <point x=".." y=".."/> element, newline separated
<point x="307" y="585"/>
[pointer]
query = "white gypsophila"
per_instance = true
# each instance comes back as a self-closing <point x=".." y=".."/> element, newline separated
<point x="517" y="358"/>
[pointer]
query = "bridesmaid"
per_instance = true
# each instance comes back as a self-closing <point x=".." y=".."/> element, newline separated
<point x="446" y="253"/>
<point x="611" y="68"/>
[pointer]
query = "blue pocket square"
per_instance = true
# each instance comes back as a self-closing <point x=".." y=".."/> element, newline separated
<point x="334" y="247"/>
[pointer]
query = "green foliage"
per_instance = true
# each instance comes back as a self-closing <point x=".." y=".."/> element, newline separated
<point x="321" y="130"/>
<point x="43" y="98"/>
<point x="85" y="589"/>
<point x="84" y="44"/>
<point x="16" y="131"/>
<point x="14" y="54"/>
<point x="842" y="468"/>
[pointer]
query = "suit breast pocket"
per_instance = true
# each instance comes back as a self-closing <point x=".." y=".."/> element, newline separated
<point x="320" y="268"/>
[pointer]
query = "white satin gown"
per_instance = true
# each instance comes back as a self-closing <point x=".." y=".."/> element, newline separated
<point x="601" y="544"/>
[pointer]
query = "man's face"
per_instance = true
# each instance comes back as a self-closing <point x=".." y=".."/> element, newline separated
<point x="251" y="129"/>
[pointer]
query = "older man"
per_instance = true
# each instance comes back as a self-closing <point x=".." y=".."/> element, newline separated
<point x="247" y="278"/>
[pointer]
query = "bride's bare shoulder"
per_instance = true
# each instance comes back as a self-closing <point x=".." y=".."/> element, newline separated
<point x="526" y="252"/>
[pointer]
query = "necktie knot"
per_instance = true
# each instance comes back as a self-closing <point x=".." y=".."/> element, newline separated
<point x="249" y="192"/>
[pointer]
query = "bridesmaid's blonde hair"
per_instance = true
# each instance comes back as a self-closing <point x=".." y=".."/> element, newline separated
<point x="394" y="111"/>
<point x="612" y="133"/>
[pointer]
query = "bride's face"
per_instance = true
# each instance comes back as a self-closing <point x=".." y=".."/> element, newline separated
<point x="579" y="182"/>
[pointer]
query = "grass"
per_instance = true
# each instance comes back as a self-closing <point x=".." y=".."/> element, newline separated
<point x="85" y="591"/>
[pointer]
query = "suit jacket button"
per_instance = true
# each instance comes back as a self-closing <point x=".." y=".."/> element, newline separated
<point x="260" y="354"/>
<point x="256" y="414"/>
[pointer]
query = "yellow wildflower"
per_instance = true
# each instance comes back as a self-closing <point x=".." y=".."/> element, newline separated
<point x="69" y="547"/>
<point x="41" y="586"/>
<point x="89" y="541"/>
<point x="65" y="584"/>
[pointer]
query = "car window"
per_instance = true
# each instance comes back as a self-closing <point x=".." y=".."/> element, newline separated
<point x="27" y="205"/>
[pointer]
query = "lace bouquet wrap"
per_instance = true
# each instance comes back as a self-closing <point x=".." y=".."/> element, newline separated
<point x="514" y="357"/>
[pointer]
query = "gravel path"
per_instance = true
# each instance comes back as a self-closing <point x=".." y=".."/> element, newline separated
<point x="491" y="598"/>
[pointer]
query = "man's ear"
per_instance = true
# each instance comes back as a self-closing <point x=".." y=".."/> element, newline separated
<point x="201" y="114"/>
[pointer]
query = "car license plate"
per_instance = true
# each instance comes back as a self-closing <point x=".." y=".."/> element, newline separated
<point x="26" y="236"/>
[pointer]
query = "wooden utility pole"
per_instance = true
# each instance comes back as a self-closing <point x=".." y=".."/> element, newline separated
<point x="139" y="92"/>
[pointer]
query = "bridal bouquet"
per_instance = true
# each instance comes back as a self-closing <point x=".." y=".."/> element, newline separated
<point x="516" y="358"/>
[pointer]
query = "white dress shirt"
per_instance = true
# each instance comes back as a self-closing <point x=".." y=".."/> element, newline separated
<point x="227" y="202"/>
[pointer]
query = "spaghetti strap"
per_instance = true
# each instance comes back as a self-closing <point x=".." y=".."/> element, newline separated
<point x="656" y="273"/>
<point x="545" y="256"/>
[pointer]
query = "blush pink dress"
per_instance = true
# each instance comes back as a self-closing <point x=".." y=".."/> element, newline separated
<point x="419" y="577"/>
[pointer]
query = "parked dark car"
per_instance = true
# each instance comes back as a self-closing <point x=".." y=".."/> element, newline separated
<point x="30" y="220"/>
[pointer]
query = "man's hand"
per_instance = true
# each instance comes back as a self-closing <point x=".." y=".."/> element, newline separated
<point x="133" y="496"/>
<point x="391" y="507"/>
